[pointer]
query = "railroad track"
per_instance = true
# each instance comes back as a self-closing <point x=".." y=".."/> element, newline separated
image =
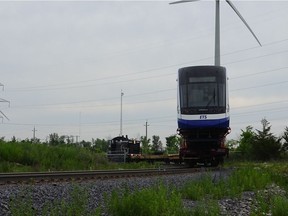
<point x="42" y="177"/>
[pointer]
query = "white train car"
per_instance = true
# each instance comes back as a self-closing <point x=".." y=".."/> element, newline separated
<point x="203" y="113"/>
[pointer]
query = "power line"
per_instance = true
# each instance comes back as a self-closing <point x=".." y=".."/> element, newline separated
<point x="263" y="110"/>
<point x="165" y="90"/>
<point x="256" y="57"/>
<point x="147" y="93"/>
<point x="142" y="101"/>
<point x="170" y="118"/>
<point x="261" y="104"/>
<point x="259" y="86"/>
<point x="258" y="73"/>
<point x="60" y="85"/>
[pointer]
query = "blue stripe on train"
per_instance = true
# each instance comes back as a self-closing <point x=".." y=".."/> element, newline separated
<point x="216" y="123"/>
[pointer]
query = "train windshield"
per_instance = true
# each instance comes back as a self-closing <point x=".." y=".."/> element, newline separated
<point x="202" y="94"/>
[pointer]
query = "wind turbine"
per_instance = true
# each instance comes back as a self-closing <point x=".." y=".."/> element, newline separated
<point x="217" y="26"/>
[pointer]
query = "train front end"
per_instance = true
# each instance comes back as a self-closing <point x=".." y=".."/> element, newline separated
<point x="203" y="114"/>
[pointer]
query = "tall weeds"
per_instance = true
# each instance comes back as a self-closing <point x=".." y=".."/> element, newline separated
<point x="15" y="156"/>
<point x="160" y="200"/>
<point x="240" y="180"/>
<point x="155" y="201"/>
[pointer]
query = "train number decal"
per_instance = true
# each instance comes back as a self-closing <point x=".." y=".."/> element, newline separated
<point x="203" y="116"/>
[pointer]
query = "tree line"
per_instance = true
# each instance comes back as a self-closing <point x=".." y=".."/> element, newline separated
<point x="260" y="144"/>
<point x="252" y="144"/>
<point x="148" y="146"/>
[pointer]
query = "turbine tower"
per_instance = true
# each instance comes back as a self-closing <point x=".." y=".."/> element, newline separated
<point x="217" y="26"/>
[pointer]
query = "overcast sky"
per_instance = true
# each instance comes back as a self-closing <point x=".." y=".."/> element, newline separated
<point x="63" y="65"/>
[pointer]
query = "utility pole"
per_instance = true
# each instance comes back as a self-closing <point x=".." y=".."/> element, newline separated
<point x="146" y="128"/>
<point x="80" y="119"/>
<point x="121" y="114"/>
<point x="77" y="137"/>
<point x="34" y="132"/>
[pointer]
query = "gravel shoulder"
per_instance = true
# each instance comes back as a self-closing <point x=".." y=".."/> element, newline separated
<point x="40" y="194"/>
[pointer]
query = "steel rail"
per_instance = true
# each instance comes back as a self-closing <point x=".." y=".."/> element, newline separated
<point x="38" y="177"/>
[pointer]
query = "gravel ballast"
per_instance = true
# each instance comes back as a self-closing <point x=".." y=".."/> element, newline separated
<point x="41" y="194"/>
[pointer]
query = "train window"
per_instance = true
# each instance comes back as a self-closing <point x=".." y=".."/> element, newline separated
<point x="183" y="95"/>
<point x="202" y="94"/>
<point x="222" y="94"/>
<point x="202" y="79"/>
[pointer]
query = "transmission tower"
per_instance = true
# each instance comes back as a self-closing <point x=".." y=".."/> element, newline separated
<point x="2" y="115"/>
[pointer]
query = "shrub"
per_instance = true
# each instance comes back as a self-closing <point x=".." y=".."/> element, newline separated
<point x="260" y="145"/>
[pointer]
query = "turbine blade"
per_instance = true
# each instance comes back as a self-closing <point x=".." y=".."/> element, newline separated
<point x="243" y="20"/>
<point x="183" y="1"/>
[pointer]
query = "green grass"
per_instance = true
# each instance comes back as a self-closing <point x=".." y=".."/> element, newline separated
<point x="199" y="189"/>
<point x="279" y="205"/>
<point x="34" y="157"/>
<point x="75" y="205"/>
<point x="205" y="192"/>
<point x="22" y="205"/>
<point x="244" y="179"/>
<point x="165" y="200"/>
<point x="206" y="207"/>
<point x="15" y="157"/>
<point x="267" y="204"/>
<point x="155" y="201"/>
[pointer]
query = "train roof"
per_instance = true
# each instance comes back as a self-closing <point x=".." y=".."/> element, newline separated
<point x="122" y="138"/>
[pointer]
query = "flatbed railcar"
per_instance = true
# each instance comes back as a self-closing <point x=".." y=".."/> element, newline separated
<point x="123" y="149"/>
<point x="151" y="158"/>
<point x="203" y="114"/>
